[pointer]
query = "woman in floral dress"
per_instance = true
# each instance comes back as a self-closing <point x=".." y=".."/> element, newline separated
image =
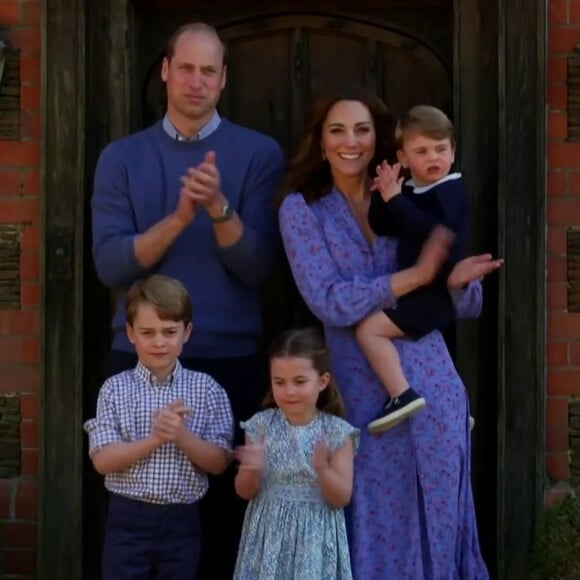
<point x="412" y="515"/>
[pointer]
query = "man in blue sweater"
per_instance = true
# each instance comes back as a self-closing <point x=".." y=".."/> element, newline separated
<point x="192" y="198"/>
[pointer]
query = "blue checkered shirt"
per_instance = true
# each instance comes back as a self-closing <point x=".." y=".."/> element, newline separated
<point x="125" y="409"/>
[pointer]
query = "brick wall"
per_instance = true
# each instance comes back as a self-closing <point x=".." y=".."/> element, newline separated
<point x="20" y="327"/>
<point x="563" y="207"/>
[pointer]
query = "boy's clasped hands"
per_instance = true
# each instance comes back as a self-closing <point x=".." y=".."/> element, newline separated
<point x="169" y="422"/>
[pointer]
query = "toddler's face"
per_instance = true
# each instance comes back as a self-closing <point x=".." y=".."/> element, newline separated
<point x="428" y="160"/>
<point x="158" y="342"/>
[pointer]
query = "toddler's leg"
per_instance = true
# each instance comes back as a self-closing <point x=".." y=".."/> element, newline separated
<point x="374" y="335"/>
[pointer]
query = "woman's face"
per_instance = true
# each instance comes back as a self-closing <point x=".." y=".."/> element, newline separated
<point x="348" y="139"/>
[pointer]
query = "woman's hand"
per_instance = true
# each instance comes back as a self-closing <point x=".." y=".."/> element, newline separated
<point x="472" y="268"/>
<point x="434" y="253"/>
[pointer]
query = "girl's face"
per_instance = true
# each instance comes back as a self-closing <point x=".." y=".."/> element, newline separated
<point x="296" y="385"/>
<point x="348" y="139"/>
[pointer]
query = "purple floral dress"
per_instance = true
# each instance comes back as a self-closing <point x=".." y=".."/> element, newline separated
<point x="412" y="514"/>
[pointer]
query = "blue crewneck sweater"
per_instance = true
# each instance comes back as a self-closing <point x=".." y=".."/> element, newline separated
<point x="137" y="183"/>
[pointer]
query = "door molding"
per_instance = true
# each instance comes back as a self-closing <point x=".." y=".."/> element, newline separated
<point x="501" y="45"/>
<point x="63" y="169"/>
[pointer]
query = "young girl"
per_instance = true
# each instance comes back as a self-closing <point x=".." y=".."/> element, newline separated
<point x="297" y="470"/>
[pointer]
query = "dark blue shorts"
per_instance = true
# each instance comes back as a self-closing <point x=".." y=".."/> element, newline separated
<point x="145" y="541"/>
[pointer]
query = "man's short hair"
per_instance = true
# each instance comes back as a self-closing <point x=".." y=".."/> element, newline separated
<point x="192" y="28"/>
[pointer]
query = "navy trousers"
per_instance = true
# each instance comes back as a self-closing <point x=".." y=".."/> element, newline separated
<point x="145" y="541"/>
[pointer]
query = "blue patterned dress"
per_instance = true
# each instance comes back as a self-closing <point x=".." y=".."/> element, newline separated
<point x="412" y="515"/>
<point x="290" y="532"/>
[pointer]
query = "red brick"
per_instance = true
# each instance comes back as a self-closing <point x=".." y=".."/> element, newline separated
<point x="557" y="296"/>
<point x="558" y="12"/>
<point x="15" y="210"/>
<point x="557" y="96"/>
<point x="557" y="439"/>
<point x="558" y="466"/>
<point x="31" y="182"/>
<point x="562" y="382"/>
<point x="557" y="353"/>
<point x="557" y="125"/>
<point x="9" y="181"/>
<point x="557" y="69"/>
<point x="30" y="407"/>
<point x="21" y="322"/>
<point x="574" y="180"/>
<point x="30" y="13"/>
<point x="29" y="434"/>
<point x="29" y="266"/>
<point x="563" y="212"/>
<point x="557" y="269"/>
<point x="30" y="125"/>
<point x="563" y="39"/>
<point x="30" y="351"/>
<point x="20" y="563"/>
<point x="557" y="494"/>
<point x="557" y="240"/>
<point x="27" y="500"/>
<point x="30" y="98"/>
<point x="20" y="379"/>
<point x="30" y="70"/>
<point x="563" y="154"/>
<point x="20" y="154"/>
<point x="557" y="183"/>
<point x="574" y="11"/>
<point x="7" y="487"/>
<point x="28" y="40"/>
<point x="563" y="325"/>
<point x="30" y="463"/>
<point x="557" y="412"/>
<point x="9" y="12"/>
<point x="30" y="294"/>
<point x="575" y="354"/>
<point x="30" y="241"/>
<point x="19" y="535"/>
<point x="10" y="349"/>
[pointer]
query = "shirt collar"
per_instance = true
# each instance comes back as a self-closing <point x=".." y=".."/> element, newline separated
<point x="146" y="376"/>
<point x="204" y="132"/>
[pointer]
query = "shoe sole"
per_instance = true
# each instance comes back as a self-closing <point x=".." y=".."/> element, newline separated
<point x="385" y="423"/>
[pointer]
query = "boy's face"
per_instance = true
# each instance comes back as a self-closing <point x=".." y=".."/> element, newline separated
<point x="158" y="342"/>
<point x="428" y="160"/>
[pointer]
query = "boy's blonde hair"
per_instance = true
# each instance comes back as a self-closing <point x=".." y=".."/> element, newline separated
<point x="167" y="296"/>
<point x="426" y="121"/>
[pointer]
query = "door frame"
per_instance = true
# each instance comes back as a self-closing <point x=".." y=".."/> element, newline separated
<point x="498" y="43"/>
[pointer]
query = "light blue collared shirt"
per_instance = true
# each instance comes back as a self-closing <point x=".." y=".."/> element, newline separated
<point x="204" y="132"/>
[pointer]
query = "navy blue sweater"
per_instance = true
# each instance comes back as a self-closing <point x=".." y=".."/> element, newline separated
<point x="137" y="183"/>
<point x="412" y="216"/>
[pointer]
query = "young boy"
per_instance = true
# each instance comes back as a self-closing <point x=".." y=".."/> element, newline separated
<point x="412" y="211"/>
<point x="159" y="430"/>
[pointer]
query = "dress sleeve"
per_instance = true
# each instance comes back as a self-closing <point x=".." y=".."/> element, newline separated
<point x="257" y="425"/>
<point x="468" y="301"/>
<point x="334" y="300"/>
<point x="340" y="432"/>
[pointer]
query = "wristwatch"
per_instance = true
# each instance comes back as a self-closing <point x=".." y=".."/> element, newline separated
<point x="226" y="214"/>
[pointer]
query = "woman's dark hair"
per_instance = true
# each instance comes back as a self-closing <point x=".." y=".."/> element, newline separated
<point x="308" y="173"/>
<point x="308" y="343"/>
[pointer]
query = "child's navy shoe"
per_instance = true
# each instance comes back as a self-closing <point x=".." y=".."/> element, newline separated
<point x="397" y="409"/>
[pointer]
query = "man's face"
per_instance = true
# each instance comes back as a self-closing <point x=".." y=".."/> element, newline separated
<point x="195" y="77"/>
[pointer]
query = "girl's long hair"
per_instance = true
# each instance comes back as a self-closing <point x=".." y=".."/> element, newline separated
<point x="308" y="173"/>
<point x="308" y="343"/>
